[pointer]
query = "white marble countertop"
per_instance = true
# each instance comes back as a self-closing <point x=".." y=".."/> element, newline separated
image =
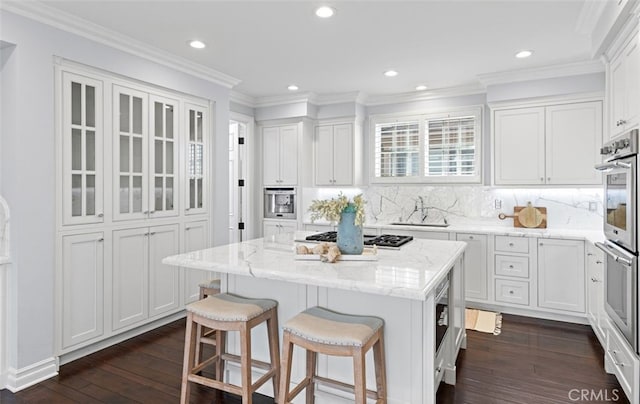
<point x="411" y="272"/>
<point x="574" y="234"/>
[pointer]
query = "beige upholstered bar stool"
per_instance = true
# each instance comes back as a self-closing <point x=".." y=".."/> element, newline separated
<point x="319" y="330"/>
<point x="222" y="313"/>
<point x="210" y="287"/>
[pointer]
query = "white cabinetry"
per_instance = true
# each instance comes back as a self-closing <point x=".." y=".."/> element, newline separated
<point x="82" y="145"/>
<point x="512" y="261"/>
<point x="561" y="275"/>
<point x="143" y="287"/>
<point x="195" y="238"/>
<point x="81" y="281"/>
<point x="531" y="145"/>
<point x="197" y="149"/>
<point x="595" y="291"/>
<point x="280" y="155"/>
<point x="275" y="227"/>
<point x="624" y="87"/>
<point x="475" y="258"/>
<point x="620" y="360"/>
<point x="334" y="155"/>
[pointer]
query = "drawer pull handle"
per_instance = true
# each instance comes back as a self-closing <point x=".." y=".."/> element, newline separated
<point x="470" y="237"/>
<point x="598" y="262"/>
<point x="589" y="254"/>
<point x="510" y="266"/>
<point x="438" y="369"/>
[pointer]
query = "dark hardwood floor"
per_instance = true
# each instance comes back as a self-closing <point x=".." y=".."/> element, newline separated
<point x="533" y="361"/>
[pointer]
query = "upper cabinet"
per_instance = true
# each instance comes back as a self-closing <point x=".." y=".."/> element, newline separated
<point x="280" y="155"/>
<point x="146" y="155"/>
<point x="197" y="158"/>
<point x="532" y="145"/>
<point x="334" y="155"/>
<point x="624" y="87"/>
<point x="82" y="145"/>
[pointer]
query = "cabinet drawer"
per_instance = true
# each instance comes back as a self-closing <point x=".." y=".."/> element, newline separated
<point x="512" y="291"/>
<point x="622" y="361"/>
<point x="511" y="265"/>
<point x="512" y="244"/>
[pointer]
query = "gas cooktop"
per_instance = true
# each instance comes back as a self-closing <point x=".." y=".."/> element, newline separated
<point x="384" y="240"/>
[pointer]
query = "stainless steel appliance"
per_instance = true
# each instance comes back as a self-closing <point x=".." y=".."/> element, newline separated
<point x="384" y="240"/>
<point x="620" y="188"/>
<point x="280" y="203"/>
<point x="621" y="231"/>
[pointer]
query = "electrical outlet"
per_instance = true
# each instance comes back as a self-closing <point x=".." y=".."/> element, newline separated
<point x="497" y="204"/>
<point x="593" y="206"/>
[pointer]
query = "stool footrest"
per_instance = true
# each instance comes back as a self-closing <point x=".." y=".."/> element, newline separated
<point x="215" y="384"/>
<point x="342" y="386"/>
<point x="255" y="363"/>
<point x="204" y="364"/>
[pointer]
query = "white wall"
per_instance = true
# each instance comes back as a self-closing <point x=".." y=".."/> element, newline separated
<point x="28" y="164"/>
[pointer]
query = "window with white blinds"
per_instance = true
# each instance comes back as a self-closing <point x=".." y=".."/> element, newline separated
<point x="428" y="148"/>
<point x="398" y="149"/>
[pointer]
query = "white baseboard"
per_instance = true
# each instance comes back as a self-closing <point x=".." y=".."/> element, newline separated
<point x="19" y="379"/>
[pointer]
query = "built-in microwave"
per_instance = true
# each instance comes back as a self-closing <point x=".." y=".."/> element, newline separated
<point x="280" y="203"/>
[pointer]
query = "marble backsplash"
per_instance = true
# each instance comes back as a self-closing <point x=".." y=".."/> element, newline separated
<point x="567" y="208"/>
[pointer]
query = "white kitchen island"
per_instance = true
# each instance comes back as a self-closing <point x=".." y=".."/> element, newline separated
<point x="399" y="287"/>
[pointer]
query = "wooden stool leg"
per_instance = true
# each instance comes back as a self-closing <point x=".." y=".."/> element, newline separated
<point x="359" y="373"/>
<point x="274" y="350"/>
<point x="285" y="369"/>
<point x="198" y="355"/>
<point x="311" y="372"/>
<point x="245" y="363"/>
<point x="381" y="370"/>
<point x="189" y="357"/>
<point x="221" y="339"/>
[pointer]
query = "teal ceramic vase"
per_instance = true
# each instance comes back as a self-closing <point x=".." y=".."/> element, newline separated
<point x="350" y="240"/>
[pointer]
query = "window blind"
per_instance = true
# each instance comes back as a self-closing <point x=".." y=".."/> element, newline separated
<point x="397" y="149"/>
<point x="450" y="146"/>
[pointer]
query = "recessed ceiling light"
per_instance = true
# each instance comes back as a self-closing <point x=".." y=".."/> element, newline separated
<point x="197" y="44"/>
<point x="324" y="12"/>
<point x="524" y="54"/>
<point x="391" y="73"/>
<point x="292" y="87"/>
<point x="421" y="87"/>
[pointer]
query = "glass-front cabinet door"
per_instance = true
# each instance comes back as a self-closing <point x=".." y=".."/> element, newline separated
<point x="82" y="168"/>
<point x="130" y="199"/>
<point x="197" y="158"/>
<point x="163" y="157"/>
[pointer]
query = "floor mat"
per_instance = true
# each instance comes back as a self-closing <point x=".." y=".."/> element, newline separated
<point x="483" y="321"/>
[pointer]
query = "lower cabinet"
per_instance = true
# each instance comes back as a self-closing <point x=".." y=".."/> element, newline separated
<point x="561" y="275"/>
<point x="142" y="286"/>
<point x="476" y="270"/>
<point x="595" y="291"/>
<point x="195" y="238"/>
<point x="620" y="360"/>
<point x="274" y="227"/>
<point x="82" y="307"/>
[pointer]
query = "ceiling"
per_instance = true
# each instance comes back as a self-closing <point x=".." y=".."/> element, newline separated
<point x="271" y="44"/>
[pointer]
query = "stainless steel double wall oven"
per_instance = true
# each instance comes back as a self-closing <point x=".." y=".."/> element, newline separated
<point x="620" y="168"/>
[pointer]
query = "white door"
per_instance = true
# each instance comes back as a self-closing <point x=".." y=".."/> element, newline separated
<point x="618" y="94"/>
<point x="82" y="287"/>
<point x="239" y="202"/>
<point x="475" y="264"/>
<point x="573" y="141"/>
<point x="632" y="70"/>
<point x="561" y="275"/>
<point x="323" y="143"/>
<point x="519" y="146"/>
<point x="289" y="155"/>
<point x="164" y="280"/>
<point x="271" y="156"/>
<point x="163" y="157"/>
<point x="343" y="154"/>
<point x="195" y="238"/>
<point x="130" y="276"/>
<point x="197" y="161"/>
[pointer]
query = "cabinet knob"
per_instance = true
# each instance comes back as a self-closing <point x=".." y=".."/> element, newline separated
<point x="146" y="212"/>
<point x="510" y="244"/>
<point x="540" y="244"/>
<point x="100" y="215"/>
<point x="511" y="292"/>
<point x="152" y="233"/>
<point x="548" y="178"/>
<point x="598" y="262"/>
<point x="589" y="254"/>
<point x="101" y="239"/>
<point x="152" y="212"/>
<point x="510" y="266"/>
<point x="541" y="179"/>
<point x="470" y="237"/>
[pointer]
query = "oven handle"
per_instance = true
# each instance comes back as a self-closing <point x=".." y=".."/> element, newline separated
<point x="612" y="165"/>
<point x="618" y="258"/>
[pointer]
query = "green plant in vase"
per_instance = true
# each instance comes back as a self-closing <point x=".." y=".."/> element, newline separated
<point x="348" y="214"/>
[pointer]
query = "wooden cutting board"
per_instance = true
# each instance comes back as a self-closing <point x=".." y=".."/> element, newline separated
<point x="530" y="216"/>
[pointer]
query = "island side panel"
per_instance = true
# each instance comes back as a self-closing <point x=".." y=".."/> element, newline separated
<point x="405" y="356"/>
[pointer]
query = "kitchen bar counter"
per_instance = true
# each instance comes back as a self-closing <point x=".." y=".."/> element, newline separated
<point x="399" y="288"/>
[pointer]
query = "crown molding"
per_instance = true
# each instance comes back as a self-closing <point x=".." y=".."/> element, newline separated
<point x="589" y="16"/>
<point x="242" y="99"/>
<point x="45" y="14"/>
<point x="327" y="99"/>
<point x="540" y="73"/>
<point x="469" y="89"/>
